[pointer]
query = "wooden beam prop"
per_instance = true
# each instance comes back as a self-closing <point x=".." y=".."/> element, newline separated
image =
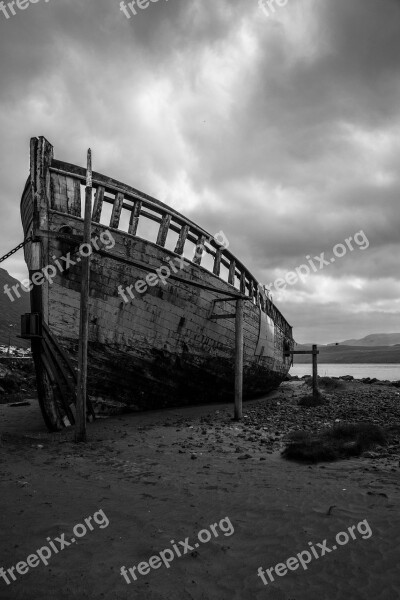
<point x="315" y="370"/>
<point x="239" y="360"/>
<point x="80" y="427"/>
<point x="238" y="316"/>
<point x="314" y="353"/>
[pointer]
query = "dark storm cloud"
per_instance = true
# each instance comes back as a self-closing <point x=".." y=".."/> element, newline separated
<point x="282" y="131"/>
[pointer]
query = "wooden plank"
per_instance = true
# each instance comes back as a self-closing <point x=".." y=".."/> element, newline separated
<point x="53" y="382"/>
<point x="163" y="231"/>
<point x="63" y="363"/>
<point x="198" y="254"/>
<point x="134" y="220"/>
<point x="116" y="212"/>
<point x="232" y="272"/>
<point x="180" y="244"/>
<point x="98" y="204"/>
<point x="33" y="154"/>
<point x="151" y="216"/>
<point x="217" y="262"/>
<point x="59" y="193"/>
<point x="54" y="375"/>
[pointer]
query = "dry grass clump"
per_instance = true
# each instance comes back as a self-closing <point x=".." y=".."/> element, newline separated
<point x="312" y="400"/>
<point x="341" y="441"/>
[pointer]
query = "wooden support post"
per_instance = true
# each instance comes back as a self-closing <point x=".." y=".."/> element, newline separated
<point x="315" y="369"/>
<point x="80" y="427"/>
<point x="239" y="360"/>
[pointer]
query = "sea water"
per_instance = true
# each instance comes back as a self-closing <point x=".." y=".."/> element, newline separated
<point x="390" y="372"/>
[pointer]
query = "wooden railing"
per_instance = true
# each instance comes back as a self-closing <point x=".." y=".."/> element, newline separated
<point x="140" y="205"/>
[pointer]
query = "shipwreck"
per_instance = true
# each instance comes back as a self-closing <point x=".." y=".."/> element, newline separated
<point x="151" y="346"/>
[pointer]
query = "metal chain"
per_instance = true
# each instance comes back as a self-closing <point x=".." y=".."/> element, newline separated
<point x="15" y="249"/>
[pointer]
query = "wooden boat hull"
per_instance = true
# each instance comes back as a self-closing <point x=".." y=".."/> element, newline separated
<point x="161" y="348"/>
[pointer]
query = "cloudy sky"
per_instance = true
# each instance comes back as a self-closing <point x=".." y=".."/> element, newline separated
<point x="280" y="128"/>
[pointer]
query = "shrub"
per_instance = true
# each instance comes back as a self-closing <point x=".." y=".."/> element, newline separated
<point x="312" y="400"/>
<point x="341" y="441"/>
<point x="327" y="383"/>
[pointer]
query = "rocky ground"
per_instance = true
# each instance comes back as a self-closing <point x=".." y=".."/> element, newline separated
<point x="164" y="475"/>
<point x="266" y="424"/>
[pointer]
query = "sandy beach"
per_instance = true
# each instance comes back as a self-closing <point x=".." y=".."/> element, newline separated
<point x="160" y="477"/>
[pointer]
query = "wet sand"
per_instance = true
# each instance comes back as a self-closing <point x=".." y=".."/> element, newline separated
<point x="165" y="475"/>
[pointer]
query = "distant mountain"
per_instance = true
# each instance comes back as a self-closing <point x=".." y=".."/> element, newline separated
<point x="10" y="312"/>
<point x="374" y="339"/>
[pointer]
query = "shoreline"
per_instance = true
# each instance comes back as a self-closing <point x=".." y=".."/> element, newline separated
<point x="164" y="475"/>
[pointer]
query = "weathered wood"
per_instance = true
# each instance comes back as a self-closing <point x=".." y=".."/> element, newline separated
<point x="114" y="186"/>
<point x="55" y="376"/>
<point x="36" y="262"/>
<point x="257" y="294"/>
<point x="151" y="216"/>
<point x="134" y="220"/>
<point x="217" y="262"/>
<point x="243" y="282"/>
<point x="40" y="180"/>
<point x="232" y="272"/>
<point x="116" y="212"/>
<point x="58" y="193"/>
<point x="239" y="360"/>
<point x="73" y="196"/>
<point x="163" y="345"/>
<point x="80" y="431"/>
<point x="198" y="253"/>
<point x="32" y="170"/>
<point x="98" y="204"/>
<point x="251" y="289"/>
<point x="180" y="244"/>
<point x="163" y="231"/>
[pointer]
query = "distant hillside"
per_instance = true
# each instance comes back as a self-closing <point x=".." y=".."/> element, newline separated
<point x="374" y="339"/>
<point x="10" y="312"/>
<point x="351" y="354"/>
